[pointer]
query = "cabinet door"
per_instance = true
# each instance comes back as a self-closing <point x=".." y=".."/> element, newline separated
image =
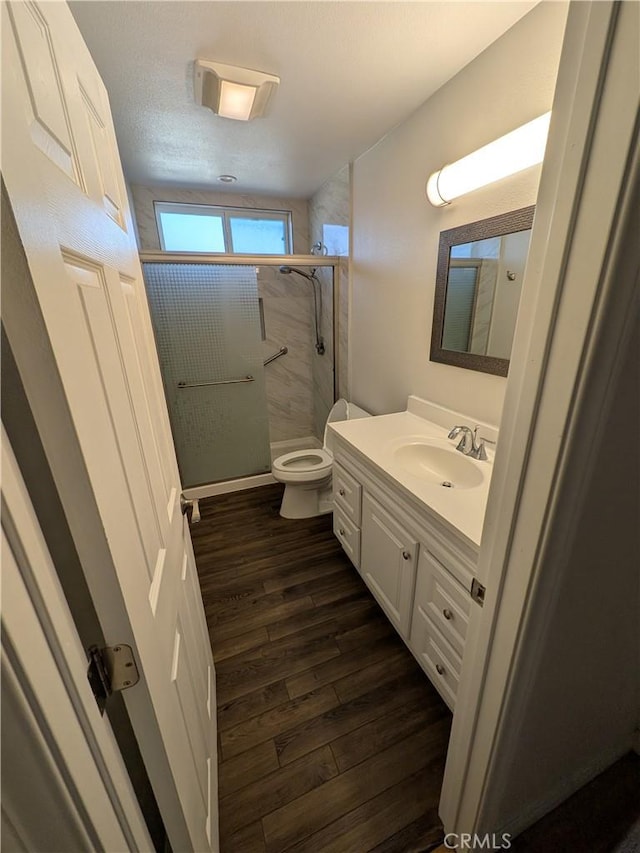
<point x="388" y="562"/>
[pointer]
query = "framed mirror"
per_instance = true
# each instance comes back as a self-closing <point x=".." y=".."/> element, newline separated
<point x="478" y="283"/>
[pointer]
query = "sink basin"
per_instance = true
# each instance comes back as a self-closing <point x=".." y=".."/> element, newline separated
<point x="441" y="465"/>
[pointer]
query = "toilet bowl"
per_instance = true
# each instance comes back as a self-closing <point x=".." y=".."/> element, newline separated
<point x="307" y="473"/>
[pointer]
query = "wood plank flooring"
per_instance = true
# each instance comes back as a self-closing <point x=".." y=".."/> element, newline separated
<point x="330" y="736"/>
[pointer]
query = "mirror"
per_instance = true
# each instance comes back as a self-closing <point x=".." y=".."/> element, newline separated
<point x="478" y="283"/>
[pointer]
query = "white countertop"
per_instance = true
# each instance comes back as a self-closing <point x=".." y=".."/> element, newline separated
<point x="376" y="438"/>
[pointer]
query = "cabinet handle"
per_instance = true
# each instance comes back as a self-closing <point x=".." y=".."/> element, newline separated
<point x="447" y="613"/>
<point x="439" y="669"/>
<point x="341" y="492"/>
<point x="341" y="531"/>
<point x="406" y="555"/>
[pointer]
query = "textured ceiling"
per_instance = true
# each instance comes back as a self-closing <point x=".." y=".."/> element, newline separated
<point x="350" y="72"/>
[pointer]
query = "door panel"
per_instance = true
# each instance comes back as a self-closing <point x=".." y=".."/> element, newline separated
<point x="106" y="165"/>
<point x="87" y="289"/>
<point x="159" y="482"/>
<point x="106" y="348"/>
<point x="49" y="122"/>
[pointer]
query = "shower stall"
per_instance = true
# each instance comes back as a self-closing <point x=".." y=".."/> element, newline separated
<point x="248" y="353"/>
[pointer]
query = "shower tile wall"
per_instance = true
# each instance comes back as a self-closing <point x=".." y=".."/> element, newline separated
<point x="143" y="198"/>
<point x="483" y="309"/>
<point x="323" y="365"/>
<point x="288" y="307"/>
<point x="331" y="206"/>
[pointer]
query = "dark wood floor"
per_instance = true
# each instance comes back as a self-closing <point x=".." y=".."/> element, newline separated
<point x="330" y="736"/>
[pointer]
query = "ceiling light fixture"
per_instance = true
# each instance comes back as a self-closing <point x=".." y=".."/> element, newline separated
<point x="518" y="150"/>
<point x="227" y="179"/>
<point x="233" y="92"/>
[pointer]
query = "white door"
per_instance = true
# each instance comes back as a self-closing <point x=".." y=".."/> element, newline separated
<point x="55" y="744"/>
<point x="65" y="183"/>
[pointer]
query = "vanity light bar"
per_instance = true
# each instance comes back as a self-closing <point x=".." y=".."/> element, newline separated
<point x="518" y="150"/>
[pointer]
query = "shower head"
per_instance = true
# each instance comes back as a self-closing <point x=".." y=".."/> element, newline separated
<point x="317" y="300"/>
<point x="286" y="270"/>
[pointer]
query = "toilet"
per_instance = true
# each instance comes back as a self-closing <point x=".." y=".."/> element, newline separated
<point x="307" y="473"/>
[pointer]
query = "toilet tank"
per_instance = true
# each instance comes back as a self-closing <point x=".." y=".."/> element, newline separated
<point x="341" y="411"/>
<point x="356" y="412"/>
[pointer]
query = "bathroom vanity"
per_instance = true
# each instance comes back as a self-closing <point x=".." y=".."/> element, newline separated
<point x="408" y="511"/>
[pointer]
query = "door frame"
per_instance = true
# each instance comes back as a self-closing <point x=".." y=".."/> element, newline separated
<point x="575" y="324"/>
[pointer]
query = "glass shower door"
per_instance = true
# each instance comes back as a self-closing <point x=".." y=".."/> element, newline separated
<point x="207" y="325"/>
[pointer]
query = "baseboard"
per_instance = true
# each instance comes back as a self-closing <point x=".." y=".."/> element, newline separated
<point x="563" y="790"/>
<point x="212" y="489"/>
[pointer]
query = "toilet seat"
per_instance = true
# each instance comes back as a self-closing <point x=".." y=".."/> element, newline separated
<point x="303" y="466"/>
<point x="306" y="474"/>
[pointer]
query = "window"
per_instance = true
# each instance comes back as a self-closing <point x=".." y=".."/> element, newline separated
<point x="230" y="230"/>
<point x="336" y="239"/>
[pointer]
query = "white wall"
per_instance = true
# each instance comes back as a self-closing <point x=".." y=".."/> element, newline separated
<point x="396" y="230"/>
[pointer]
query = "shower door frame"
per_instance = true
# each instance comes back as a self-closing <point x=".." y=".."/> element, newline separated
<point x="316" y="261"/>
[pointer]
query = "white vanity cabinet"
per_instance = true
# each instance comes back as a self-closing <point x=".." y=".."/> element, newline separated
<point x="388" y="560"/>
<point x="419" y="571"/>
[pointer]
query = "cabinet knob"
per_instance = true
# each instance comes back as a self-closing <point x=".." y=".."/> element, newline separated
<point x="341" y="492"/>
<point x="341" y="531"/>
<point x="439" y="669"/>
<point x="406" y="555"/>
<point x="447" y="613"/>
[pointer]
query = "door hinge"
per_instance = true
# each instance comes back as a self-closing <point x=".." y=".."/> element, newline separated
<point x="111" y="670"/>
<point x="478" y="591"/>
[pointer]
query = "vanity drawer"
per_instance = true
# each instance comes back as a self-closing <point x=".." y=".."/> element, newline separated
<point x="443" y="600"/>
<point x="436" y="657"/>
<point x="462" y="568"/>
<point x="347" y="493"/>
<point x="348" y="535"/>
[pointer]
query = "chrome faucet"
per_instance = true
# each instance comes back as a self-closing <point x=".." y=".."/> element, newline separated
<point x="468" y="444"/>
